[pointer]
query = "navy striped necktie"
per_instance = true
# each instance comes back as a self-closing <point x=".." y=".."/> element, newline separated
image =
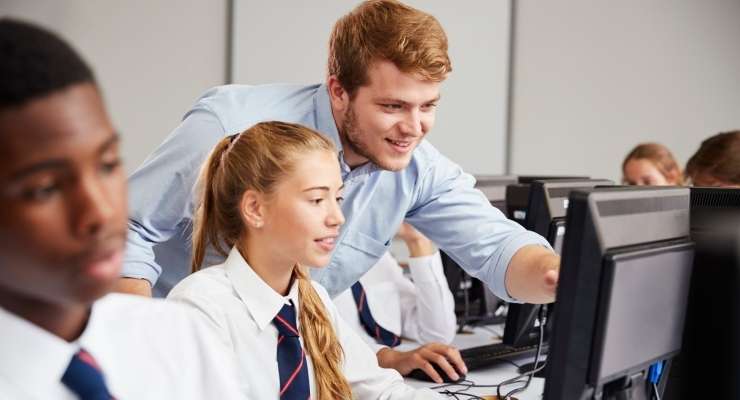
<point x="290" y="356"/>
<point x="380" y="334"/>
<point x="84" y="377"/>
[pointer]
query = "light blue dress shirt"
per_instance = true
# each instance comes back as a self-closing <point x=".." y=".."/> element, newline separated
<point x="432" y="193"/>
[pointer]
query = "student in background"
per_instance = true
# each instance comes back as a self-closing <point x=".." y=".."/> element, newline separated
<point x="270" y="203"/>
<point x="717" y="162"/>
<point x="651" y="164"/>
<point x="385" y="305"/>
<point x="62" y="235"/>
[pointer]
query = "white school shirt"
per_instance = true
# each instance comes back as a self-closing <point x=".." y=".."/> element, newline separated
<point x="422" y="310"/>
<point x="146" y="349"/>
<point x="243" y="306"/>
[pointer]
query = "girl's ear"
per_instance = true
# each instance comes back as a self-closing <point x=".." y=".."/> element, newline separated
<point x="253" y="209"/>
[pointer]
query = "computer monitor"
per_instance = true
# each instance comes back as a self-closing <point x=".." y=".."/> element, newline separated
<point x="622" y="292"/>
<point x="547" y="203"/>
<point x="708" y="365"/>
<point x="517" y="195"/>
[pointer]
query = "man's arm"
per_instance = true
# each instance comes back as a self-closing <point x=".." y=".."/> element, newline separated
<point x="461" y="221"/>
<point x="161" y="196"/>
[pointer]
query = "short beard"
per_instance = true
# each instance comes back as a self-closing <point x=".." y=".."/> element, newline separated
<point x="353" y="135"/>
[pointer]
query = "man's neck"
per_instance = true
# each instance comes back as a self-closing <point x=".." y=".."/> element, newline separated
<point x="352" y="159"/>
<point x="66" y="321"/>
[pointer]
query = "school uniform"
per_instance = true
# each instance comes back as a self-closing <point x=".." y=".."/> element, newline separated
<point x="249" y="315"/>
<point x="132" y="347"/>
<point x="421" y="308"/>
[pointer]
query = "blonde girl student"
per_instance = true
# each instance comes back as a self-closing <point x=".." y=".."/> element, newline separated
<point x="270" y="202"/>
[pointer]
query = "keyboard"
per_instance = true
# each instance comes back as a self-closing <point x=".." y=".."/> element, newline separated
<point x="484" y="356"/>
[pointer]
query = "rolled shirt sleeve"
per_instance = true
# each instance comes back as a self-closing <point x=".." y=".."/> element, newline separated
<point x="460" y="220"/>
<point x="161" y="192"/>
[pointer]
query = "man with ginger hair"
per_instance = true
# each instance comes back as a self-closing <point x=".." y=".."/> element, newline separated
<point x="386" y="65"/>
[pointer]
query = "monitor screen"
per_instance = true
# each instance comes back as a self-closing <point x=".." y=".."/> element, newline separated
<point x="557" y="234"/>
<point x="644" y="296"/>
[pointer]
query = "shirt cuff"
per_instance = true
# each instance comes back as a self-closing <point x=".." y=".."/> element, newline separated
<point x="139" y="270"/>
<point x="516" y="242"/>
<point x="427" y="269"/>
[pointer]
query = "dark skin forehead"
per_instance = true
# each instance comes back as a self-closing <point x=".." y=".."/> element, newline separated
<point x="51" y="127"/>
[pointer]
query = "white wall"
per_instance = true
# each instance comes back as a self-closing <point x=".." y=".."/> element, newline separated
<point x="277" y="41"/>
<point x="590" y="78"/>
<point x="593" y="78"/>
<point x="152" y="58"/>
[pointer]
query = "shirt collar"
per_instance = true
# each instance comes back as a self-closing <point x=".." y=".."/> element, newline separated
<point x="262" y="301"/>
<point x="33" y="358"/>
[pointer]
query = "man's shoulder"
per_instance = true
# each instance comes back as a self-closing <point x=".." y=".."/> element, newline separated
<point x="245" y="93"/>
<point x="239" y="105"/>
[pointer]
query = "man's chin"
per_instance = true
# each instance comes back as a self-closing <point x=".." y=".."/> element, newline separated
<point x="393" y="164"/>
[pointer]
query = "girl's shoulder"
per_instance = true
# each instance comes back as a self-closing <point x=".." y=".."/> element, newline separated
<point x="208" y="280"/>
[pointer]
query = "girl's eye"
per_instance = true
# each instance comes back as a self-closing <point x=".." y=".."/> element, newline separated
<point x="110" y="166"/>
<point x="340" y="199"/>
<point x="317" y="201"/>
<point x="40" y="193"/>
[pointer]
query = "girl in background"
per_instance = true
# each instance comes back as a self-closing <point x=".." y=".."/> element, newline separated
<point x="271" y="195"/>
<point x="651" y="164"/>
<point x="717" y="162"/>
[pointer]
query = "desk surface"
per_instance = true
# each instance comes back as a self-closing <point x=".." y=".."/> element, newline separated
<point x="487" y="376"/>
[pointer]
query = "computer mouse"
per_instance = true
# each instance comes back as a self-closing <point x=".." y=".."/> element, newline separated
<point x="422" y="376"/>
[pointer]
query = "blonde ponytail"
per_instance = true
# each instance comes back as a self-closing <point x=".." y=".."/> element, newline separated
<point x="205" y="230"/>
<point x="321" y="342"/>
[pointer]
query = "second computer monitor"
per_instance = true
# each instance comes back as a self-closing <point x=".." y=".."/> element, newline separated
<point x="622" y="292"/>
<point x="547" y="204"/>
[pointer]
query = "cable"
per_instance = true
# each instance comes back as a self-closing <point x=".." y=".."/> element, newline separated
<point x="523" y="378"/>
<point x="542" y="317"/>
<point x="657" y="394"/>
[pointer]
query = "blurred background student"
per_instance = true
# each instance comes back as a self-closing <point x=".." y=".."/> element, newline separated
<point x="717" y="162"/>
<point x="651" y="164"/>
<point x="386" y="305"/>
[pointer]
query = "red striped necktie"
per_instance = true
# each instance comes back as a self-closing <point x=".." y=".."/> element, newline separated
<point x="290" y="356"/>
<point x="380" y="334"/>
<point x="84" y="377"/>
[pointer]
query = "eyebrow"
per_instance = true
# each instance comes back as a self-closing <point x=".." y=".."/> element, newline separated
<point x="392" y="100"/>
<point x="326" y="188"/>
<point x="56" y="164"/>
